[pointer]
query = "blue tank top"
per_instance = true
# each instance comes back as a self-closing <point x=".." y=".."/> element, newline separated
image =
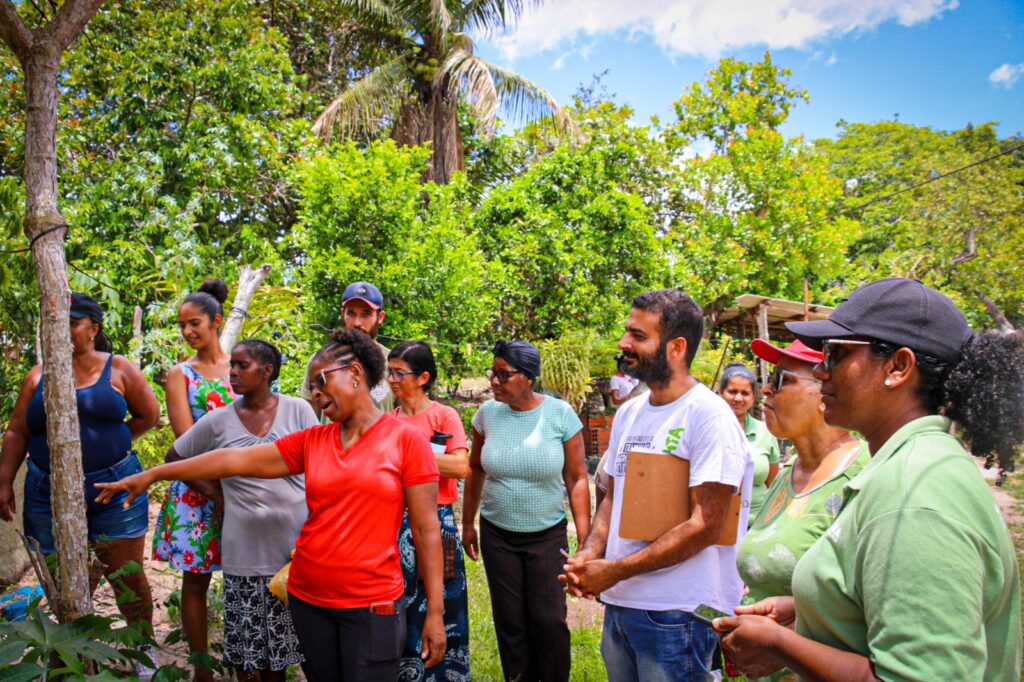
<point x="105" y="437"/>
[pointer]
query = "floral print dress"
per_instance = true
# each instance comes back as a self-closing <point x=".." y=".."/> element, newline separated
<point x="187" y="534"/>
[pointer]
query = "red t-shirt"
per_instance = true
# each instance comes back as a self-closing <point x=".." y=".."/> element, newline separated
<point x="446" y="420"/>
<point x="346" y="555"/>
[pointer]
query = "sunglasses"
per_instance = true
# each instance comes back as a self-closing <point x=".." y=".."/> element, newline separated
<point x="832" y="351"/>
<point x="399" y="374"/>
<point x="777" y="379"/>
<point x="320" y="380"/>
<point x="502" y="375"/>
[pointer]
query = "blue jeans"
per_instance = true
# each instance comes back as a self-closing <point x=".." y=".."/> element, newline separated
<point x="106" y="521"/>
<point x="656" y="646"/>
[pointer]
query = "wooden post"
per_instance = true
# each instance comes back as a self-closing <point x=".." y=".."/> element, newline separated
<point x="807" y="300"/>
<point x="762" y="333"/>
<point x="249" y="280"/>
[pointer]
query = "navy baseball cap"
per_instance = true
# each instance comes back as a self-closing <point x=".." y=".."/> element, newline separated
<point x="365" y="292"/>
<point x="900" y="311"/>
<point x="84" y="305"/>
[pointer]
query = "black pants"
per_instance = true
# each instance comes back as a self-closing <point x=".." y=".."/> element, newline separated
<point x="528" y="602"/>
<point x="349" y="645"/>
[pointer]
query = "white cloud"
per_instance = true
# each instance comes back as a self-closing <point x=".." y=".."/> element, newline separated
<point x="559" y="63"/>
<point x="708" y="28"/>
<point x="1007" y="75"/>
<point x="832" y="59"/>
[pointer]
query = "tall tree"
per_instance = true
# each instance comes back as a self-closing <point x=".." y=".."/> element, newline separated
<point x="962" y="234"/>
<point x="39" y="53"/>
<point x="417" y="91"/>
<point x="751" y="214"/>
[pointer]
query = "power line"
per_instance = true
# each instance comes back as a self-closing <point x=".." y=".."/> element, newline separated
<point x="933" y="178"/>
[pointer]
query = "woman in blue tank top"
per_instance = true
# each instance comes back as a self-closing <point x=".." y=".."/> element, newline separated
<point x="115" y="406"/>
<point x="187" y="533"/>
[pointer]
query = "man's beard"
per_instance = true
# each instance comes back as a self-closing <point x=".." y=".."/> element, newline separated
<point x="653" y="370"/>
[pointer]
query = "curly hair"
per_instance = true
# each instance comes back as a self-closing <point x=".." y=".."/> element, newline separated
<point x="983" y="391"/>
<point x="345" y="344"/>
<point x="265" y="353"/>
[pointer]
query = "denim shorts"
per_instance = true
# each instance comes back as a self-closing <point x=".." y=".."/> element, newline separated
<point x="106" y="521"/>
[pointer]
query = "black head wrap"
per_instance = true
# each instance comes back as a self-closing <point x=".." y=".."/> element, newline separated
<point x="522" y="355"/>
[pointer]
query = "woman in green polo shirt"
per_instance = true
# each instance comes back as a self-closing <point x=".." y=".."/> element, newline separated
<point x="738" y="387"/>
<point x="917" y="578"/>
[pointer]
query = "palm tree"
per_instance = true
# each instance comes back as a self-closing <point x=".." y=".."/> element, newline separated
<point x="417" y="91"/>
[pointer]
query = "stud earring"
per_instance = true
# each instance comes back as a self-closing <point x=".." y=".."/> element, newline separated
<point x="888" y="382"/>
<point x="355" y="384"/>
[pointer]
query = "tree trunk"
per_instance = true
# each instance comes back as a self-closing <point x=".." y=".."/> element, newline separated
<point x="39" y="54"/>
<point x="249" y="280"/>
<point x="62" y="433"/>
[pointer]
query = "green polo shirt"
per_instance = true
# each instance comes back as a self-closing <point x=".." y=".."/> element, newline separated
<point x="918" y="571"/>
<point x="765" y="448"/>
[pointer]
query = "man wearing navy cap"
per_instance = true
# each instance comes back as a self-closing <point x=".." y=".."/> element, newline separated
<point x="362" y="307"/>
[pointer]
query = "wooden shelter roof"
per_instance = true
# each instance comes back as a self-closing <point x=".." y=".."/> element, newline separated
<point x="741" y="319"/>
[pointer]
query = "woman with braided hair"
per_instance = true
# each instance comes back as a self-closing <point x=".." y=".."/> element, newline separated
<point x="362" y="471"/>
<point x="917" y="578"/>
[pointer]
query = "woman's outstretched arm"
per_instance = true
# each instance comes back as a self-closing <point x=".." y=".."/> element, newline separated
<point x="257" y="461"/>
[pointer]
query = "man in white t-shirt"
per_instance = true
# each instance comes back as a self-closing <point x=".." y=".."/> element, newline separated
<point x="651" y="588"/>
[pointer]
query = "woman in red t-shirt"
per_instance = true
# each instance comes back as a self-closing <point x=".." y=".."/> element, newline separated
<point x="362" y="471"/>
<point x="411" y="374"/>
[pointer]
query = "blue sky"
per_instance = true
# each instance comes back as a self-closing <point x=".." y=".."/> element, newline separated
<point x="940" y="63"/>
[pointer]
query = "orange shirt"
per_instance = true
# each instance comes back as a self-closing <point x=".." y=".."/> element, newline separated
<point x="446" y="420"/>
<point x="346" y="555"/>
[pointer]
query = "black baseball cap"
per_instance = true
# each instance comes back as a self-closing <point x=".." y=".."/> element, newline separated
<point x="364" y="291"/>
<point x="897" y="310"/>
<point x="84" y="305"/>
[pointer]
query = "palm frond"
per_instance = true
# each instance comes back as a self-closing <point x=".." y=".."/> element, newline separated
<point x="367" y="102"/>
<point x="440" y="17"/>
<point x="493" y="15"/>
<point x="375" y="12"/>
<point x="488" y="86"/>
<point x="463" y="71"/>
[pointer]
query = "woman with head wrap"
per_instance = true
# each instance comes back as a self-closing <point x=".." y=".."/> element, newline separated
<point x="738" y="387"/>
<point x="917" y="577"/>
<point x="526" y="446"/>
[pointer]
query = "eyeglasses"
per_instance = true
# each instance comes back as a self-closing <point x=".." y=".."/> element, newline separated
<point x="399" y="374"/>
<point x="320" y="380"/>
<point x="777" y="379"/>
<point x="502" y="375"/>
<point x="831" y="351"/>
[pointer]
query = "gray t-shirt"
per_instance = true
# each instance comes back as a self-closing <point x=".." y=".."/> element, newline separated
<point x="262" y="516"/>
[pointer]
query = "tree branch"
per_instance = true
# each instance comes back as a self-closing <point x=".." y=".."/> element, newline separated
<point x="13" y="31"/>
<point x="997" y="314"/>
<point x="69" y="22"/>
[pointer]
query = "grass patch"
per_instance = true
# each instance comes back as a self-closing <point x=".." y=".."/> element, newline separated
<point x="587" y="665"/>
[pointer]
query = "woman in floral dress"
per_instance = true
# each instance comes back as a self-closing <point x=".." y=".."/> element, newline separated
<point x="187" y="534"/>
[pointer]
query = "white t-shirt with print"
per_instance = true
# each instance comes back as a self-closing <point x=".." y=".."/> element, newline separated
<point x="700" y="427"/>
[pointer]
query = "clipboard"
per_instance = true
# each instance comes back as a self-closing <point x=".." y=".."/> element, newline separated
<point x="656" y="498"/>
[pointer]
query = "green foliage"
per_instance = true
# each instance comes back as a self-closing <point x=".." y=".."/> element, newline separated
<point x="571" y="239"/>
<point x="751" y="215"/>
<point x="362" y="216"/>
<point x="566" y="368"/>
<point x="714" y="354"/>
<point x="962" y="234"/>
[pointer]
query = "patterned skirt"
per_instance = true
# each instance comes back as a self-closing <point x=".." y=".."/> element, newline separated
<point x="187" y="534"/>
<point x="455" y="665"/>
<point x="258" y="630"/>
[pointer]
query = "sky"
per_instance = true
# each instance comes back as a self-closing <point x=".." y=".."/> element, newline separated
<point x="938" y="63"/>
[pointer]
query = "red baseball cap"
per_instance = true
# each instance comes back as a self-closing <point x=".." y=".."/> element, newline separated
<point x="796" y="350"/>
